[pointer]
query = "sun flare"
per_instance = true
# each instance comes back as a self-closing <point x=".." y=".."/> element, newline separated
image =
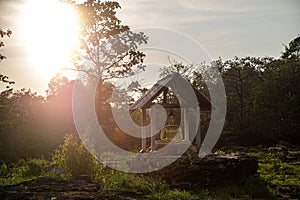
<point x="50" y="30"/>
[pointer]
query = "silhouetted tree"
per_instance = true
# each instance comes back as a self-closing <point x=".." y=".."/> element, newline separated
<point x="108" y="48"/>
<point x="278" y="96"/>
<point x="239" y="76"/>
<point x="58" y="105"/>
<point x="21" y="134"/>
<point x="292" y="50"/>
<point x="4" y="78"/>
<point x="177" y="67"/>
<point x="2" y="34"/>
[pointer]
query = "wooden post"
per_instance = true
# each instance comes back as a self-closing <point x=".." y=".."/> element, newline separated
<point x="182" y="124"/>
<point x="198" y="128"/>
<point x="153" y="127"/>
<point x="144" y="141"/>
<point x="186" y="125"/>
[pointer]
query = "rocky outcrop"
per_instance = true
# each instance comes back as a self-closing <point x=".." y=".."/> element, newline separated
<point x="211" y="170"/>
<point x="58" y="189"/>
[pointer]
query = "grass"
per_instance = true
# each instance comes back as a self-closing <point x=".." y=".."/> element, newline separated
<point x="116" y="180"/>
<point x="254" y="187"/>
<point x="23" y="171"/>
<point x="278" y="171"/>
<point x="171" y="194"/>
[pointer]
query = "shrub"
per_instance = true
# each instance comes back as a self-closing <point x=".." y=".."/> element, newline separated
<point x="74" y="158"/>
<point x="36" y="167"/>
<point x="22" y="171"/>
<point x="4" y="170"/>
<point x="29" y="168"/>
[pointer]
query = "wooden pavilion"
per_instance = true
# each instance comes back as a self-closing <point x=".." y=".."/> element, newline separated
<point x="165" y="86"/>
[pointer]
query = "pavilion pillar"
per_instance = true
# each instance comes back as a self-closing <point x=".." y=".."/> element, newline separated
<point x="153" y="127"/>
<point x="144" y="141"/>
<point x="198" y="128"/>
<point x="186" y="125"/>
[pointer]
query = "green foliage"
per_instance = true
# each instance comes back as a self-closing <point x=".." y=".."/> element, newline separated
<point x="116" y="180"/>
<point x="74" y="158"/>
<point x="202" y="193"/>
<point x="240" y="76"/>
<point x="155" y="188"/>
<point x="31" y="168"/>
<point x="278" y="172"/>
<point x="230" y="191"/>
<point x="22" y="134"/>
<point x="256" y="187"/>
<point x="4" y="170"/>
<point x="31" y="125"/>
<point x="263" y="96"/>
<point x="171" y="194"/>
<point x="279" y="169"/>
<point x="253" y="188"/>
<point x="110" y="46"/>
<point x="278" y="101"/>
<point x="23" y="170"/>
<point x="274" y="174"/>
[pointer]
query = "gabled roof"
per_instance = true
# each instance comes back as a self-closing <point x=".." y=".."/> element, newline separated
<point x="163" y="84"/>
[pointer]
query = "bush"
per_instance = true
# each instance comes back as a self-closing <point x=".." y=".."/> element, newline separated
<point x="22" y="171"/>
<point x="36" y="167"/>
<point x="4" y="170"/>
<point x="74" y="158"/>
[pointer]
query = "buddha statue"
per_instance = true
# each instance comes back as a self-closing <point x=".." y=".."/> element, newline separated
<point x="171" y="131"/>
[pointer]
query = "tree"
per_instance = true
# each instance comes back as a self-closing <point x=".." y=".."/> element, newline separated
<point x="239" y="76"/>
<point x="4" y="78"/>
<point x="2" y="34"/>
<point x="108" y="49"/>
<point x="58" y="105"/>
<point x="191" y="72"/>
<point x="177" y="67"/>
<point x="57" y="85"/>
<point x="278" y="96"/>
<point x="292" y="50"/>
<point x="20" y="132"/>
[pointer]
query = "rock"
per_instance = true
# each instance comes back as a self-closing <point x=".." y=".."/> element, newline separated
<point x="282" y="150"/>
<point x="212" y="170"/>
<point x="55" y="188"/>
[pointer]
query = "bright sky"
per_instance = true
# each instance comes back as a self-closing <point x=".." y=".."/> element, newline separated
<point x="225" y="28"/>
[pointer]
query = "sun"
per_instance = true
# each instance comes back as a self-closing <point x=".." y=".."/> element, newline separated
<point x="50" y="31"/>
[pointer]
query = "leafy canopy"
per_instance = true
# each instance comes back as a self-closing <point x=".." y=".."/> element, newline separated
<point x="108" y="49"/>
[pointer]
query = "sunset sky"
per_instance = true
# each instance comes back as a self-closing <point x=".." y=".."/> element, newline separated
<point x="225" y="28"/>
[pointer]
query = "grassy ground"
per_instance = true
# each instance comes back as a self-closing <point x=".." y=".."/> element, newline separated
<point x="278" y="177"/>
<point x="281" y="170"/>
